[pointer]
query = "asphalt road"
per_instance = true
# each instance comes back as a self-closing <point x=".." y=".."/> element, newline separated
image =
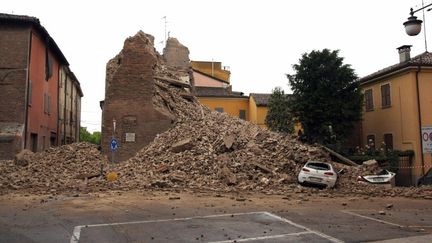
<point x="211" y="217"/>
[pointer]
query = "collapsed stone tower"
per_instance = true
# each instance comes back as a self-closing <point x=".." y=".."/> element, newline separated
<point x="129" y="91"/>
<point x="175" y="54"/>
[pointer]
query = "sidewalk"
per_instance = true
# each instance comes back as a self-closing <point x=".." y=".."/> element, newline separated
<point x="413" y="239"/>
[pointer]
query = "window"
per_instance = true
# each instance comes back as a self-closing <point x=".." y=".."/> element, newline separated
<point x="48" y="65"/>
<point x="385" y="96"/>
<point x="369" y="100"/>
<point x="49" y="105"/>
<point x="33" y="142"/>
<point x="30" y="94"/>
<point x="370" y="141"/>
<point x="67" y="116"/>
<point x="219" y="109"/>
<point x="242" y="114"/>
<point x="318" y="166"/>
<point x="53" y="139"/>
<point x="43" y="143"/>
<point x="45" y="103"/>
<point x="388" y="140"/>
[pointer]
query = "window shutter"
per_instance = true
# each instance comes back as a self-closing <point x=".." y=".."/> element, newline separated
<point x="30" y="93"/>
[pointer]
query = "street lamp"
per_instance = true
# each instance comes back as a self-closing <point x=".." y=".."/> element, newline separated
<point x="412" y="28"/>
<point x="413" y="25"/>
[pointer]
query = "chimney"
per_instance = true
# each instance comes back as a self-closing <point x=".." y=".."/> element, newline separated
<point x="404" y="53"/>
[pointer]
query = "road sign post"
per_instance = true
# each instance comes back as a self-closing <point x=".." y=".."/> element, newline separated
<point x="114" y="145"/>
<point x="113" y="142"/>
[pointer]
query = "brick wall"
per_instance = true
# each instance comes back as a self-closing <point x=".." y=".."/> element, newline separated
<point x="14" y="43"/>
<point x="128" y="99"/>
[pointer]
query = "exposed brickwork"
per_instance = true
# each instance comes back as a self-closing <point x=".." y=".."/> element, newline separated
<point x="14" y="42"/>
<point x="14" y="46"/>
<point x="128" y="99"/>
<point x="11" y="139"/>
<point x="175" y="54"/>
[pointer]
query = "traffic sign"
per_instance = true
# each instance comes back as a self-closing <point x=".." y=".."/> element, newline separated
<point x="113" y="144"/>
<point x="427" y="139"/>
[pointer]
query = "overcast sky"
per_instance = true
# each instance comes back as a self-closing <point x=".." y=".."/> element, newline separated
<point x="259" y="40"/>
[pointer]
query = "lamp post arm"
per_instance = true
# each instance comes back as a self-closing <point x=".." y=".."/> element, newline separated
<point x="412" y="12"/>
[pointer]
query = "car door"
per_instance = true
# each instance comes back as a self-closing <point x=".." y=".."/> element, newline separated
<point x="428" y="178"/>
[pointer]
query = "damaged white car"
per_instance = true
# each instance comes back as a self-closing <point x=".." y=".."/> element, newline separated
<point x="317" y="173"/>
<point x="382" y="177"/>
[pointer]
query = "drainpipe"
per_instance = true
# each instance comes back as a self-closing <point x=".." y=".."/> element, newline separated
<point x="71" y="112"/>
<point x="419" y="117"/>
<point x="58" y="104"/>
<point x="212" y="68"/>
<point x="66" y="78"/>
<point x="26" y="110"/>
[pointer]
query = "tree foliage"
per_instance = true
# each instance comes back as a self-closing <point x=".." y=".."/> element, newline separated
<point x="278" y="116"/>
<point x="86" y="136"/>
<point x="326" y="96"/>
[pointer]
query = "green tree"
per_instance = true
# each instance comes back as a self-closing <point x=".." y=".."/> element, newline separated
<point x="326" y="97"/>
<point x="279" y="117"/>
<point x="86" y="136"/>
<point x="96" y="137"/>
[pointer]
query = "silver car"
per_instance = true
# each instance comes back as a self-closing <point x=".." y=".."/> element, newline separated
<point x="318" y="173"/>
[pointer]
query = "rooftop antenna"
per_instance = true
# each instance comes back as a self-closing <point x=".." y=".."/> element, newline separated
<point x="165" y="24"/>
<point x="424" y="25"/>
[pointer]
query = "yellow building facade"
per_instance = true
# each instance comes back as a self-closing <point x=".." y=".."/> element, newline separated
<point x="212" y="69"/>
<point x="213" y="89"/>
<point x="398" y="107"/>
<point x="258" y="108"/>
<point x="234" y="106"/>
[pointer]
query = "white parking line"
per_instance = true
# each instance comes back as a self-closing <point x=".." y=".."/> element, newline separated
<point x="263" y="237"/>
<point x="374" y="219"/>
<point x="76" y="234"/>
<point x="332" y="239"/>
<point x="77" y="229"/>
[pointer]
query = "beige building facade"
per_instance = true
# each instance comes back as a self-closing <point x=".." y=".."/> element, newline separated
<point x="69" y="107"/>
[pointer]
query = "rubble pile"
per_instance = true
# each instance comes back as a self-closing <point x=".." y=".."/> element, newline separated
<point x="211" y="150"/>
<point x="57" y="169"/>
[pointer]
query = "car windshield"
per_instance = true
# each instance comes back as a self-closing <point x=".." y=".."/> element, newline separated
<point x="318" y="166"/>
<point x="383" y="172"/>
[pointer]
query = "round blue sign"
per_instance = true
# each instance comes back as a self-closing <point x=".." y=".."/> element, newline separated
<point x="113" y="144"/>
